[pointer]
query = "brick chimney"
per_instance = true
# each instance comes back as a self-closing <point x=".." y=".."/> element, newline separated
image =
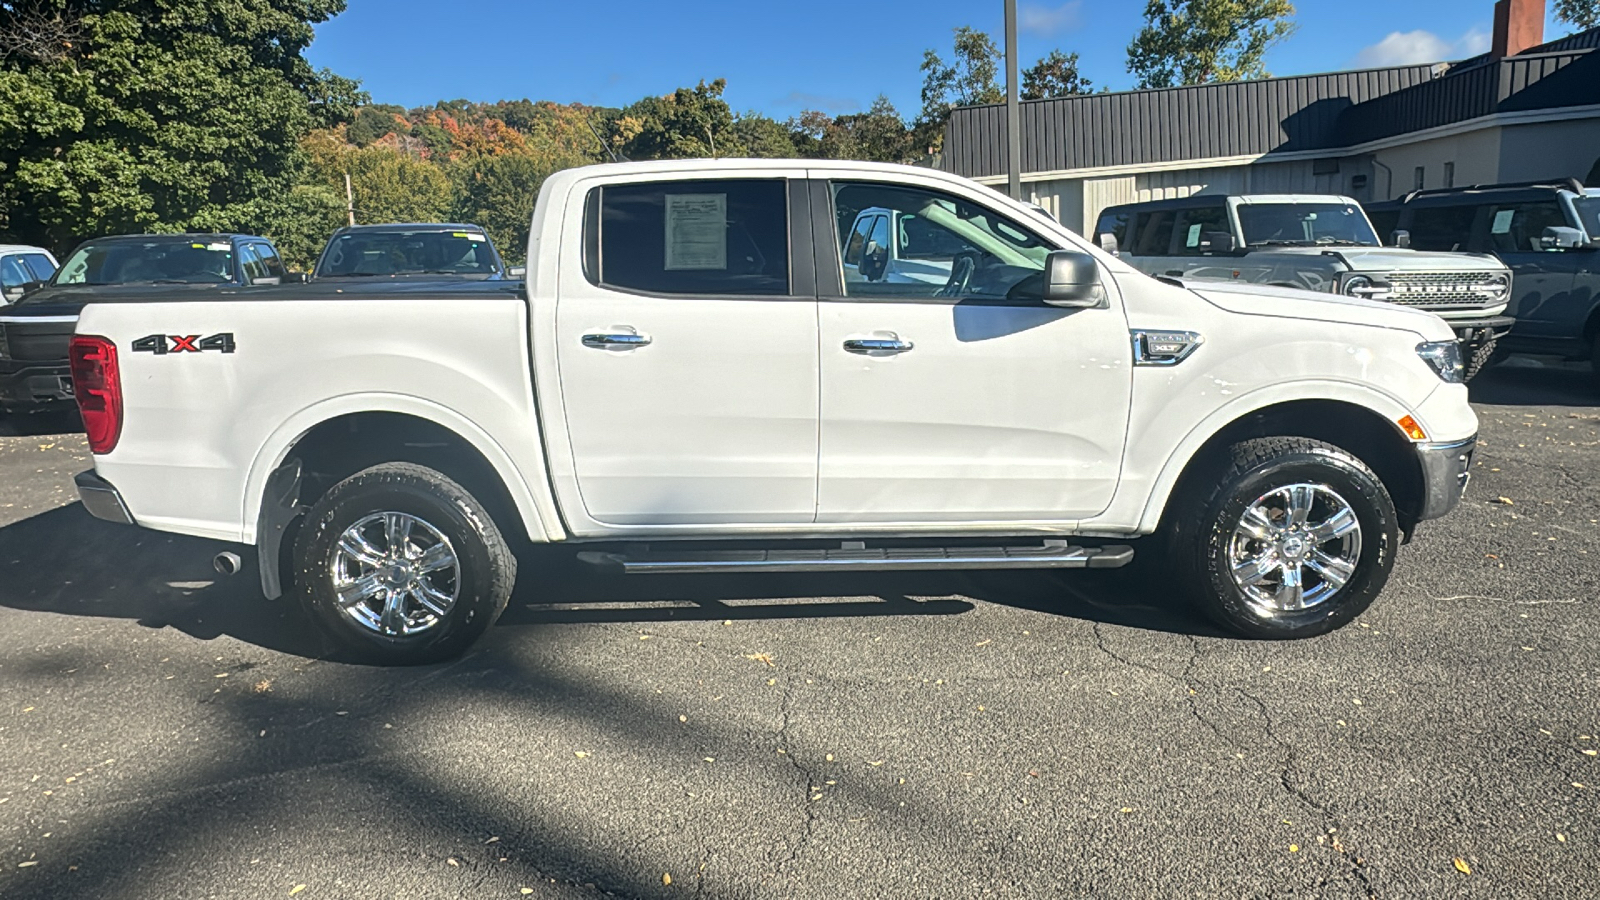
<point x="1518" y="25"/>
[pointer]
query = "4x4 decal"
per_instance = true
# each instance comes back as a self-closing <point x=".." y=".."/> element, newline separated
<point x="184" y="343"/>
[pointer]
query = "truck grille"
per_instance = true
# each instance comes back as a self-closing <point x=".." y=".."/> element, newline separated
<point x="1447" y="290"/>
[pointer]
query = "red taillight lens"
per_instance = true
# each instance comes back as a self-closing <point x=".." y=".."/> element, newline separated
<point x="98" y="386"/>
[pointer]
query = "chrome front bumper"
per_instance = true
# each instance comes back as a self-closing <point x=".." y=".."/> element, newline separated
<point x="101" y="499"/>
<point x="1446" y="470"/>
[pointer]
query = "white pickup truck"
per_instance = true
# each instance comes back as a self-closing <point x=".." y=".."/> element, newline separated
<point x="690" y="383"/>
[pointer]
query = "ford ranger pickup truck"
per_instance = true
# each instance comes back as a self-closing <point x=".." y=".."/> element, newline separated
<point x="688" y="382"/>
<point x="35" y="328"/>
<point x="1317" y="243"/>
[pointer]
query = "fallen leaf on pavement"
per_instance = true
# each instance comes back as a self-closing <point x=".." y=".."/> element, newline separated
<point x="1462" y="867"/>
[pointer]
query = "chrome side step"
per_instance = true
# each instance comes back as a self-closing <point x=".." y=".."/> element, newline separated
<point x="854" y="557"/>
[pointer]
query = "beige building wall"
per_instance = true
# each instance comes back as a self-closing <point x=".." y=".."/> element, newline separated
<point x="1569" y="149"/>
<point x="1474" y="155"/>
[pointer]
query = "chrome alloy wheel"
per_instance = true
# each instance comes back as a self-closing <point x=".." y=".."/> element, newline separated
<point x="1294" y="548"/>
<point x="395" y="574"/>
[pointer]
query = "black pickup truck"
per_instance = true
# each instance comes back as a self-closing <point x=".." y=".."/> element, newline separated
<point x="34" y="331"/>
<point x="418" y="251"/>
<point x="1547" y="233"/>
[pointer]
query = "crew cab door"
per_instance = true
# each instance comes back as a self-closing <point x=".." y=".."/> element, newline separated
<point x="686" y="341"/>
<point x="1542" y="280"/>
<point x="952" y="402"/>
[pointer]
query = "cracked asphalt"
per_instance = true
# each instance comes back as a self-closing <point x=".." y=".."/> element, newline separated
<point x="164" y="733"/>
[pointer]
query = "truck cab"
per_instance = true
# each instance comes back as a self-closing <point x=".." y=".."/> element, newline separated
<point x="1322" y="243"/>
<point x="23" y="269"/>
<point x="1547" y="233"/>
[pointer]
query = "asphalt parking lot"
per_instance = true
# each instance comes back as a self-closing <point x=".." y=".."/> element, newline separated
<point x="164" y="733"/>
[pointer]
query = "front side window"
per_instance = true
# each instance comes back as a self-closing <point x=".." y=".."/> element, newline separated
<point x="271" y="260"/>
<point x="157" y="260"/>
<point x="1203" y="231"/>
<point x="1306" y="225"/>
<point x="39" y="265"/>
<point x="1517" y="227"/>
<point x="1442" y="228"/>
<point x="693" y="237"/>
<point x="947" y="246"/>
<point x="250" y="264"/>
<point x="1114" y="223"/>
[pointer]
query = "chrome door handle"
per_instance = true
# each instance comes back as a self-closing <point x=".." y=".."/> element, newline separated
<point x="878" y="345"/>
<point x="609" y="341"/>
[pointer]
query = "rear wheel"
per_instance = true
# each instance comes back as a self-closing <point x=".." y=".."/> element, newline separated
<point x="401" y="565"/>
<point x="1292" y="538"/>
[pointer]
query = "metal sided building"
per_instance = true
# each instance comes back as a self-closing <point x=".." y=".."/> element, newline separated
<point x="1373" y="135"/>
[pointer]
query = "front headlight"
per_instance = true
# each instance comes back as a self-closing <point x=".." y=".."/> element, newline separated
<point x="1365" y="287"/>
<point x="1444" y="357"/>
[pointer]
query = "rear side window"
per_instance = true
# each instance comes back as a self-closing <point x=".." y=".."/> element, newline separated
<point x="694" y="237"/>
<point x="1202" y="231"/>
<point x="1442" y="228"/>
<point x="1517" y="227"/>
<point x="1153" y="231"/>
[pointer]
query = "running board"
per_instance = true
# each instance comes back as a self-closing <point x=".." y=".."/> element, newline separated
<point x="853" y="557"/>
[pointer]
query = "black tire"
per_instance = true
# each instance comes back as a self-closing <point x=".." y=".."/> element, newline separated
<point x="1481" y="358"/>
<point x="1203" y="534"/>
<point x="481" y="575"/>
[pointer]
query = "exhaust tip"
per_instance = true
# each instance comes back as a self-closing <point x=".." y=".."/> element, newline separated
<point x="227" y="563"/>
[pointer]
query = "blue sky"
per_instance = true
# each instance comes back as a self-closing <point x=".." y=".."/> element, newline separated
<point x="782" y="57"/>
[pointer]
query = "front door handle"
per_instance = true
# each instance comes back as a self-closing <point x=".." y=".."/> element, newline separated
<point x="877" y="345"/>
<point x="623" y="341"/>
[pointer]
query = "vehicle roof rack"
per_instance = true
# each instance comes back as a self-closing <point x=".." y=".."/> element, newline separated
<point x="1563" y="184"/>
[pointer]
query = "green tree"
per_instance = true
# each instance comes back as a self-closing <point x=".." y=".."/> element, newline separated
<point x="158" y="115"/>
<point x="688" y="123"/>
<point x="1054" y="76"/>
<point x="877" y="135"/>
<point x="1584" y="14"/>
<point x="765" y="138"/>
<point x="1203" y="41"/>
<point x="376" y="121"/>
<point x="499" y="193"/>
<point x="969" y="79"/>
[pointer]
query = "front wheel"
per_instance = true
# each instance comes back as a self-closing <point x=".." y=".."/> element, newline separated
<point x="1292" y="538"/>
<point x="402" y="566"/>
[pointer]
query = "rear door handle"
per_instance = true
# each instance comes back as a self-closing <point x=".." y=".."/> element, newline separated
<point x="877" y="345"/>
<point x="622" y="341"/>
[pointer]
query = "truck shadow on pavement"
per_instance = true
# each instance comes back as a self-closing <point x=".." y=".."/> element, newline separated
<point x="66" y="562"/>
<point x="1530" y="382"/>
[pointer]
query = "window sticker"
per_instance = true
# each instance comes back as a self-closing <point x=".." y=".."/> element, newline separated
<point x="1502" y="221"/>
<point x="1194" y="235"/>
<point x="697" y="232"/>
<point x="469" y="236"/>
<point x="220" y="245"/>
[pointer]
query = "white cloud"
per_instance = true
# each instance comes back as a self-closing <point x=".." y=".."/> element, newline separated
<point x="1403" y="48"/>
<point x="1050" y="20"/>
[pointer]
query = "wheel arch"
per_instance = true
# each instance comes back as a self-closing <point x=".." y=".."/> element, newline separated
<point x="1371" y="435"/>
<point x="321" y="446"/>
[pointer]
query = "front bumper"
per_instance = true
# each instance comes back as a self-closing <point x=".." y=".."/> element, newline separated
<point x="28" y="387"/>
<point x="1446" y="470"/>
<point x="1477" y="332"/>
<point x="101" y="499"/>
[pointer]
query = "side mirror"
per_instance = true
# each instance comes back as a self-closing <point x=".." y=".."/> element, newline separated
<point x="11" y="294"/>
<point x="874" y="259"/>
<point x="1218" y="242"/>
<point x="1401" y="239"/>
<point x="1558" y="238"/>
<point x="1108" y="243"/>
<point x="296" y="278"/>
<point x="1072" y="281"/>
<point x="516" y="271"/>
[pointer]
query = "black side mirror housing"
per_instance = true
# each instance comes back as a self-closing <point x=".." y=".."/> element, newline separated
<point x="1072" y="281"/>
<point x="1218" y="242"/>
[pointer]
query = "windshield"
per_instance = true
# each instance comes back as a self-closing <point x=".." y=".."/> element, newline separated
<point x="1305" y="225"/>
<point x="156" y="260"/>
<point x="1589" y="213"/>
<point x="374" y="254"/>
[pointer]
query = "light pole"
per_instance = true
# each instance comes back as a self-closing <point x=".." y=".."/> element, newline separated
<point x="1013" y="115"/>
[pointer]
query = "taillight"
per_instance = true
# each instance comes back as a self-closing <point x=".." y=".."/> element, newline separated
<point x="98" y="386"/>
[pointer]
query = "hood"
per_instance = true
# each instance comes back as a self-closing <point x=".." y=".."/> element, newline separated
<point x="1394" y="259"/>
<point x="1314" y="306"/>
